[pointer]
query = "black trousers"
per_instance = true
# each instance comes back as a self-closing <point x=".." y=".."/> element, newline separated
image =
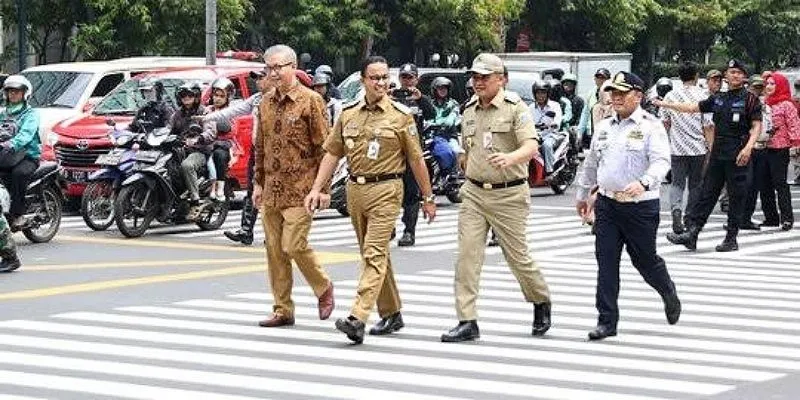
<point x="718" y="174"/>
<point x="16" y="180"/>
<point x="221" y="157"/>
<point x="249" y="210"/>
<point x="411" y="199"/>
<point x="633" y="225"/>
<point x="769" y="177"/>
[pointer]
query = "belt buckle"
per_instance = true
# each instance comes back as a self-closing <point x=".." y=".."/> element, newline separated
<point x="622" y="197"/>
<point x="487" y="185"/>
<point x="361" y="180"/>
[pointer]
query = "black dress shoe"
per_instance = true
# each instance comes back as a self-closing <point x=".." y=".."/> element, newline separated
<point x="352" y="327"/>
<point x="728" y="244"/>
<point x="687" y="238"/>
<point x="406" y="240"/>
<point x="541" y="319"/>
<point x="672" y="308"/>
<point x="10" y="264"/>
<point x="464" y="331"/>
<point x="240" y="236"/>
<point x="602" y="332"/>
<point x="787" y="225"/>
<point x="390" y="324"/>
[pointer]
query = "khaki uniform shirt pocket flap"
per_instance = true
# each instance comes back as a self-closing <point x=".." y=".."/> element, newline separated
<point x="501" y="126"/>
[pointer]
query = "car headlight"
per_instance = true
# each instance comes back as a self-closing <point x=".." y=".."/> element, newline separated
<point x="52" y="138"/>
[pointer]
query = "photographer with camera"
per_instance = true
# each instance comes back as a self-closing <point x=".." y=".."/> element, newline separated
<point x="422" y="109"/>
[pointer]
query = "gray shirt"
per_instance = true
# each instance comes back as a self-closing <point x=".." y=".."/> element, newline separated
<point x="237" y="109"/>
<point x="624" y="151"/>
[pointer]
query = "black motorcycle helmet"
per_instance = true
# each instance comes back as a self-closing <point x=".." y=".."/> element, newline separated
<point x="188" y="88"/>
<point x="540" y="86"/>
<point x="153" y="84"/>
<point x="556" y="90"/>
<point x="663" y="86"/>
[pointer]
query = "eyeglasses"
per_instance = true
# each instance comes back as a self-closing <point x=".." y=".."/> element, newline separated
<point x="378" y="78"/>
<point x="276" y="68"/>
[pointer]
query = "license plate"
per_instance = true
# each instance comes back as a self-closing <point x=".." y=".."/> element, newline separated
<point x="112" y="158"/>
<point x="147" y="155"/>
<point x="76" y="176"/>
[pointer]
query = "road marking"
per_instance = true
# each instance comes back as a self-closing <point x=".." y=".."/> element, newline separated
<point x="130" y="264"/>
<point x="163" y="244"/>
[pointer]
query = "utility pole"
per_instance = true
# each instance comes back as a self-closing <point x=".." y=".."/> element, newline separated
<point x="211" y="32"/>
<point x="22" y="44"/>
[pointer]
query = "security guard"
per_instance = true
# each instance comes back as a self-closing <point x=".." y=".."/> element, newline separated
<point x="499" y="140"/>
<point x="737" y="124"/>
<point x="379" y="138"/>
<point x="628" y="158"/>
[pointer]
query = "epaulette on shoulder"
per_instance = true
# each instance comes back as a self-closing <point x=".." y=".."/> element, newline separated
<point x="401" y="107"/>
<point x="512" y="97"/>
<point x="472" y="101"/>
<point x="350" y="104"/>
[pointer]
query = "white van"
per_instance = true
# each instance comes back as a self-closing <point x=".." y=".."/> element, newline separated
<point x="65" y="90"/>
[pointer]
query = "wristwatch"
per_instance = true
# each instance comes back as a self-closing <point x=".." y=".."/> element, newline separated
<point x="429" y="199"/>
<point x="645" y="182"/>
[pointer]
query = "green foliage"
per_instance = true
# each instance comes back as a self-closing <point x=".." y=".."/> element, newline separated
<point x="165" y="27"/>
<point x="767" y="32"/>
<point x="50" y="22"/>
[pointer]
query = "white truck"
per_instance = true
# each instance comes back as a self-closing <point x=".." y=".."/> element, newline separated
<point x="583" y="65"/>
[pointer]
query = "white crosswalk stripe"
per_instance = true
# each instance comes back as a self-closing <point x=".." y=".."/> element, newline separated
<point x="212" y="349"/>
<point x="550" y="233"/>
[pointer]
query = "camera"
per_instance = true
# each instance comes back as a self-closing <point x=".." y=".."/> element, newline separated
<point x="401" y="93"/>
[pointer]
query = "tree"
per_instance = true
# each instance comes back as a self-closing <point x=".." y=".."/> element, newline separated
<point x="164" y="27"/>
<point x="49" y="22"/>
<point x="767" y="32"/>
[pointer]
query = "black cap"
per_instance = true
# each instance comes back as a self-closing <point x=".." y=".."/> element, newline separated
<point x="257" y="74"/>
<point x="734" y="63"/>
<point x="603" y="72"/>
<point x="626" y="81"/>
<point x="408" y="69"/>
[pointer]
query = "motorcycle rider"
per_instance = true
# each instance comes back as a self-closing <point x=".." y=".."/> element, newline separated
<point x="548" y="118"/>
<point x="557" y="94"/>
<point x="327" y="70"/>
<point x="222" y="92"/>
<point x="663" y="86"/>
<point x="20" y="156"/>
<point x="569" y="82"/>
<point x="199" y="144"/>
<point x="156" y="112"/>
<point x="447" y="113"/>
<point x="421" y="106"/>
<point x="322" y="85"/>
<point x="470" y="92"/>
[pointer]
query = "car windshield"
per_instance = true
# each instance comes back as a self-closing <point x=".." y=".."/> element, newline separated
<point x="127" y="99"/>
<point x="521" y="82"/>
<point x="57" y="88"/>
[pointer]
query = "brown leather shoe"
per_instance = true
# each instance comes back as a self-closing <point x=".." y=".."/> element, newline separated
<point x="275" y="321"/>
<point x="325" y="304"/>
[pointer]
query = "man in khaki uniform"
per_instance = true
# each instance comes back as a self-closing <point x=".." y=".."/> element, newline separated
<point x="288" y="150"/>
<point x="500" y="139"/>
<point x="378" y="136"/>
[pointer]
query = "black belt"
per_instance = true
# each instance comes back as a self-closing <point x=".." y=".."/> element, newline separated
<point x="375" y="178"/>
<point x="487" y="185"/>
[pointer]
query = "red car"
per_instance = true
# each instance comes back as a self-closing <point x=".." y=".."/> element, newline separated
<point x="79" y="141"/>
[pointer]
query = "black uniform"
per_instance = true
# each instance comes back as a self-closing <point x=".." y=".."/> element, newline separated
<point x="734" y="112"/>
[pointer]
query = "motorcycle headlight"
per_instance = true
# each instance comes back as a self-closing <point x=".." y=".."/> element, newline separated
<point x="52" y="138"/>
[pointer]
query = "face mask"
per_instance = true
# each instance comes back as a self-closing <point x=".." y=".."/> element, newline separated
<point x="14" y="108"/>
<point x="149" y="95"/>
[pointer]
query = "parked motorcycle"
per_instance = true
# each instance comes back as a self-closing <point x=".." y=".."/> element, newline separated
<point x="156" y="189"/>
<point x="339" y="187"/>
<point x="97" y="203"/>
<point x="446" y="179"/>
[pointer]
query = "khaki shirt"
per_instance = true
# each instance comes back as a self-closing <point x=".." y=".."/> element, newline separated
<point x="288" y="148"/>
<point x="388" y="125"/>
<point x="501" y="127"/>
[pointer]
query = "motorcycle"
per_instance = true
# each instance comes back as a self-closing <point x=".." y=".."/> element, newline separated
<point x="565" y="167"/>
<point x="156" y="189"/>
<point x="97" y="202"/>
<point x="339" y="187"/>
<point x="446" y="179"/>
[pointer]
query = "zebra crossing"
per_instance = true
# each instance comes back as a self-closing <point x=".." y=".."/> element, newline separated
<point x="552" y="231"/>
<point x="739" y="327"/>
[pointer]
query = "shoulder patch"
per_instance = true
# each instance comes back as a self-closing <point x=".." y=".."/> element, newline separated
<point x="512" y="97"/>
<point x="402" y="108"/>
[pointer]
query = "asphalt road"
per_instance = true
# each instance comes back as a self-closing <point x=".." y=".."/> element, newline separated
<point x="172" y="315"/>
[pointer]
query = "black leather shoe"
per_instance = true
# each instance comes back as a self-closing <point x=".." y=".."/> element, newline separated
<point x="352" y="327"/>
<point x="672" y="308"/>
<point x="541" y="319"/>
<point x="406" y="240"/>
<point x="771" y="224"/>
<point x="787" y="225"/>
<point x="688" y="238"/>
<point x="729" y="244"/>
<point x="677" y="222"/>
<point x="390" y="324"/>
<point x="464" y="331"/>
<point x="240" y="236"/>
<point x="602" y="332"/>
<point x="10" y="264"/>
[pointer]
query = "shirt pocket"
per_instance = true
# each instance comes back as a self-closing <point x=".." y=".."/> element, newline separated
<point x="388" y="138"/>
<point x="634" y="145"/>
<point x="502" y="140"/>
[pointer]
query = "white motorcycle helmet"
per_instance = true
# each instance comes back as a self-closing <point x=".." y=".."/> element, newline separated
<point x="19" y="82"/>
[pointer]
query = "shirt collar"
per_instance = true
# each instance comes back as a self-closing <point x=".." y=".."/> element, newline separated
<point x="497" y="100"/>
<point x="382" y="104"/>
<point x="636" y="117"/>
<point x="292" y="93"/>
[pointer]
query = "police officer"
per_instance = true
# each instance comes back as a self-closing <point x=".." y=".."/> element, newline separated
<point x="379" y="138"/>
<point x="499" y="140"/>
<point x="422" y="109"/>
<point x="627" y="159"/>
<point x="737" y="123"/>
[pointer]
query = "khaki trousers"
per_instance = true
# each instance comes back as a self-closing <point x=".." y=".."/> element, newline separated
<point x="373" y="209"/>
<point x="287" y="240"/>
<point x="505" y="211"/>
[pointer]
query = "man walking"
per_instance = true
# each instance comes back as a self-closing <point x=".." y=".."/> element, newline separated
<point x="288" y="152"/>
<point x="499" y="139"/>
<point x="737" y="124"/>
<point x="379" y="138"/>
<point x="628" y="159"/>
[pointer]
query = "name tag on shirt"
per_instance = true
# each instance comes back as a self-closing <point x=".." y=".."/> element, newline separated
<point x="373" y="149"/>
<point x="487" y="140"/>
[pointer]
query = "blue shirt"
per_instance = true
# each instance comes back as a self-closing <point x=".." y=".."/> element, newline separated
<point x="625" y="151"/>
